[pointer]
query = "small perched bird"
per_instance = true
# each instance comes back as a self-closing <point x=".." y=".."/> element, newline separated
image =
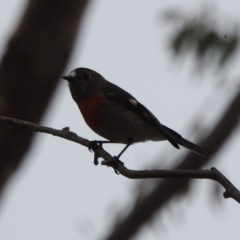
<point x="116" y="115"/>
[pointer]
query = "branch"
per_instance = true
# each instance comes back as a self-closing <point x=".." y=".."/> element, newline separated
<point x="63" y="133"/>
<point x="212" y="174"/>
<point x="167" y="189"/>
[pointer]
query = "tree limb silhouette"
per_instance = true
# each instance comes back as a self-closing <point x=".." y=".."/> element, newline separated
<point x="30" y="70"/>
<point x="165" y="190"/>
<point x="213" y="174"/>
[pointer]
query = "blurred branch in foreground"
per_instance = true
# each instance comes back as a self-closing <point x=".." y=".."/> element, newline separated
<point x="197" y="34"/>
<point x="166" y="190"/>
<point x="213" y="174"/>
<point x="31" y="66"/>
<point x="201" y="35"/>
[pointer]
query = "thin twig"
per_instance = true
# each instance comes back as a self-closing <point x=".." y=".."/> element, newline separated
<point x="212" y="174"/>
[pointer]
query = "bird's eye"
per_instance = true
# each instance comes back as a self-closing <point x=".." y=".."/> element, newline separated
<point x="86" y="75"/>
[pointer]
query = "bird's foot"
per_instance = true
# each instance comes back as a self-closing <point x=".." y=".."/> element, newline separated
<point x="90" y="147"/>
<point x="93" y="143"/>
<point x="113" y="163"/>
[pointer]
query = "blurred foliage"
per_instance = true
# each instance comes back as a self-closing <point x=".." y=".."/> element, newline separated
<point x="201" y="35"/>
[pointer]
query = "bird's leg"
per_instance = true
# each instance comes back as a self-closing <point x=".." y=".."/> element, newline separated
<point x="111" y="163"/>
<point x="100" y="143"/>
<point x="116" y="160"/>
<point x="124" y="149"/>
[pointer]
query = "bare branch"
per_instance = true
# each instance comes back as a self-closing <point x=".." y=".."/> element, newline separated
<point x="167" y="189"/>
<point x="213" y="174"/>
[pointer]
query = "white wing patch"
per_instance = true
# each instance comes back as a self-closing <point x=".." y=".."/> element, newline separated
<point x="133" y="101"/>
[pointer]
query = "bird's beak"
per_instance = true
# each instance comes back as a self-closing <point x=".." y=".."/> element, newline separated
<point x="68" y="78"/>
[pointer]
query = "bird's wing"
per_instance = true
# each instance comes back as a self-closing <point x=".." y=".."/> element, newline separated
<point x="118" y="95"/>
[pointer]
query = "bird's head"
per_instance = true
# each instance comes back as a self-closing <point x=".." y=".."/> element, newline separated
<point x="82" y="81"/>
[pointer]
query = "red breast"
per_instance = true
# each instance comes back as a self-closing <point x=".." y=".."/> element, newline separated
<point x="92" y="110"/>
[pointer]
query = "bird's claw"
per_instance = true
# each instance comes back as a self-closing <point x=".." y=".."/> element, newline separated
<point x="113" y="163"/>
<point x="92" y="143"/>
<point x="95" y="161"/>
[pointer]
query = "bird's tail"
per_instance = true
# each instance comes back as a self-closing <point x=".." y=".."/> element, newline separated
<point x="187" y="144"/>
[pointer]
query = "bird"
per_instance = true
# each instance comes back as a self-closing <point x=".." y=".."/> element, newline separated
<point x="117" y="116"/>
